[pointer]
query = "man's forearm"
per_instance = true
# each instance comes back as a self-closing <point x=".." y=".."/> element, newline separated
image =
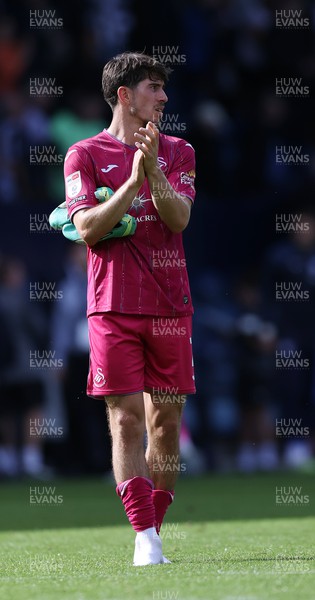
<point x="94" y="223"/>
<point x="173" y="208"/>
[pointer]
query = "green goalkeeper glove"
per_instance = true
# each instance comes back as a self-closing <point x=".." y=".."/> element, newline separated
<point x="59" y="219"/>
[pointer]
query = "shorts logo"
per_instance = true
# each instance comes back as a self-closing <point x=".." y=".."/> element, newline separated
<point x="73" y="184"/>
<point x="99" y="379"/>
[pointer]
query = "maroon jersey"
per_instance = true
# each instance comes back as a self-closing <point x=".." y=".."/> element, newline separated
<point x="144" y="273"/>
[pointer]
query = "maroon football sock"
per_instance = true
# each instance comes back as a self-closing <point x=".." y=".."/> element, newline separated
<point x="161" y="500"/>
<point x="136" y="496"/>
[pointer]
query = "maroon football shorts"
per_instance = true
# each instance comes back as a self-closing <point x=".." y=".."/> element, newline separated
<point x="134" y="353"/>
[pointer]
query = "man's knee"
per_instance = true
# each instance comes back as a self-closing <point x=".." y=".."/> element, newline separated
<point x="126" y="419"/>
<point x="166" y="421"/>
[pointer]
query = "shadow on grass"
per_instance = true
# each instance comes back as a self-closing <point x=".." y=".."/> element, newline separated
<point x="72" y="503"/>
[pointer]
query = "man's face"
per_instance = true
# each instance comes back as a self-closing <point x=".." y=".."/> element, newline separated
<point x="148" y="101"/>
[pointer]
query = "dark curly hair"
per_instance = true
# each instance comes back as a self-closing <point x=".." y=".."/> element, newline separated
<point x="129" y="68"/>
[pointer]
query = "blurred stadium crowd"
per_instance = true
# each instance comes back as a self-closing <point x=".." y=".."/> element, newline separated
<point x="253" y="283"/>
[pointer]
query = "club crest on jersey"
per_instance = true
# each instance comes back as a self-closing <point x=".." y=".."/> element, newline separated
<point x="99" y="379"/>
<point x="162" y="162"/>
<point x="73" y="184"/>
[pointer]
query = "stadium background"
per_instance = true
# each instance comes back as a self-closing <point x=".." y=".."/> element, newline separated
<point x="226" y="57"/>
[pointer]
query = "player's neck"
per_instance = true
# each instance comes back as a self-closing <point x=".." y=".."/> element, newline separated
<point x="123" y="129"/>
<point x="122" y="136"/>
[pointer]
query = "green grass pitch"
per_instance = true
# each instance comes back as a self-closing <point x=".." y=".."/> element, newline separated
<point x="229" y="537"/>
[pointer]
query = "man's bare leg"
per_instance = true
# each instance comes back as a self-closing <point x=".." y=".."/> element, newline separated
<point x="126" y="417"/>
<point x="163" y="423"/>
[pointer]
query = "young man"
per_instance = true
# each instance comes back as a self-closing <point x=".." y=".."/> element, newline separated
<point x="139" y="304"/>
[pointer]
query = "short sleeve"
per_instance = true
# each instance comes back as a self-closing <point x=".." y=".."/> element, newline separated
<point x="183" y="170"/>
<point x="79" y="180"/>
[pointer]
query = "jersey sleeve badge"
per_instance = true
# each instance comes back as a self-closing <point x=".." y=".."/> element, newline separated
<point x="73" y="184"/>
